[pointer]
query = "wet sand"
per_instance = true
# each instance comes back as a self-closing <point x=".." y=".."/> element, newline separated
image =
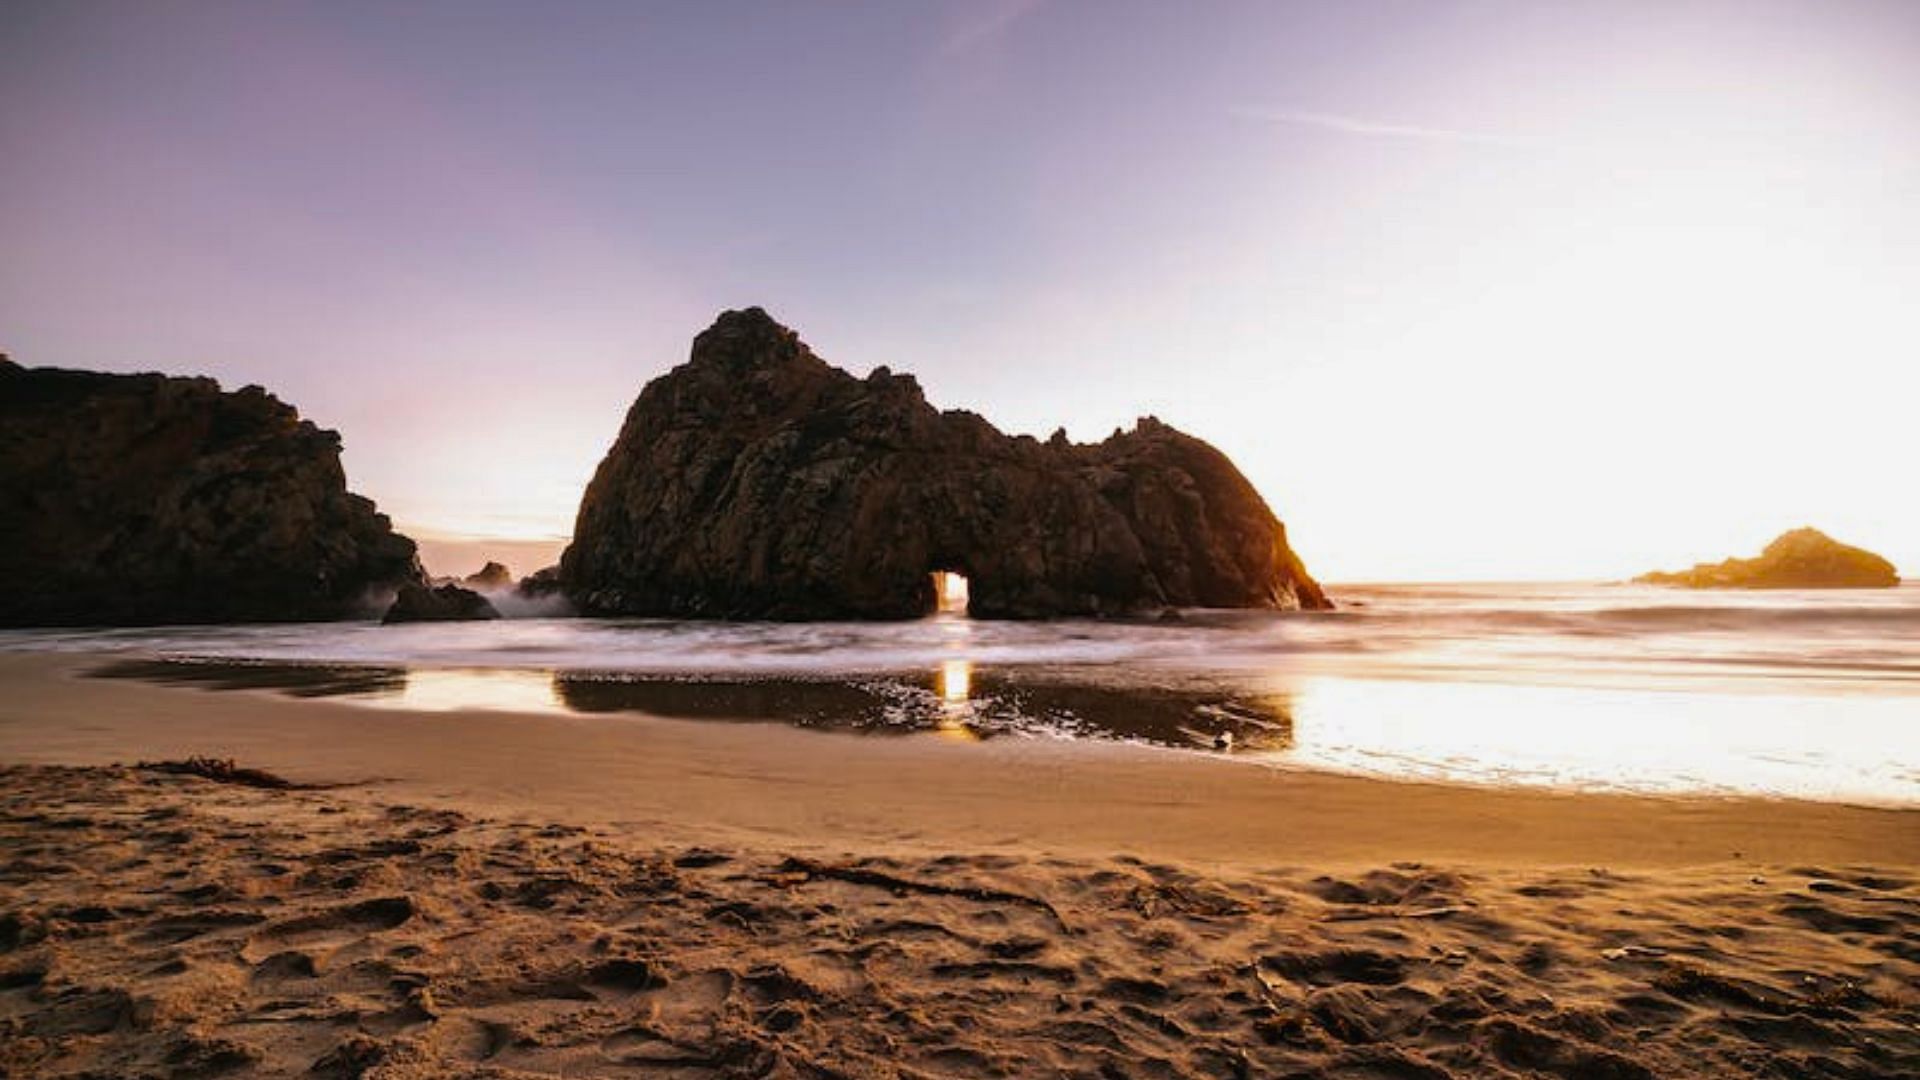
<point x="493" y="894"/>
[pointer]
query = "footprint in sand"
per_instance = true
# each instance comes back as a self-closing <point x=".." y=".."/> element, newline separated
<point x="362" y="917"/>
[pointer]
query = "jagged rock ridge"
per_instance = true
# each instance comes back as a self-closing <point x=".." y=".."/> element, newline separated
<point x="1799" y="559"/>
<point x="144" y="499"/>
<point x="757" y="481"/>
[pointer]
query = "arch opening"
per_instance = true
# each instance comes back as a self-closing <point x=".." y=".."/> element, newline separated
<point x="950" y="592"/>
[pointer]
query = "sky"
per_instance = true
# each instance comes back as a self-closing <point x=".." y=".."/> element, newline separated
<point x="1472" y="290"/>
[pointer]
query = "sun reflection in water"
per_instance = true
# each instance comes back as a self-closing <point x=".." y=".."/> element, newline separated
<point x="1606" y="738"/>
<point x="953" y="684"/>
<point x="503" y="690"/>
<point x="955" y="681"/>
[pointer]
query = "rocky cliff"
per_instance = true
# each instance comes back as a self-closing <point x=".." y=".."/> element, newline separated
<point x="142" y="499"/>
<point x="757" y="481"/>
<point x="1800" y="559"/>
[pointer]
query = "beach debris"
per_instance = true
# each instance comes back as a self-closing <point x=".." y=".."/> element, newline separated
<point x="1218" y="740"/>
<point x="1689" y="980"/>
<point x="221" y="771"/>
<point x="1277" y="992"/>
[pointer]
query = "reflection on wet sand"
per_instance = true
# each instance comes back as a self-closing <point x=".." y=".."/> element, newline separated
<point x="954" y="681"/>
<point x="423" y="689"/>
<point x="294" y="680"/>
<point x="1187" y="717"/>
<point x="953" y="685"/>
<point x="955" y="700"/>
<point x="806" y="702"/>
<point x="1647" y="739"/>
<point x="453" y="689"/>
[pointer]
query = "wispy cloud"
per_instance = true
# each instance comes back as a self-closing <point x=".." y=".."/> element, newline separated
<point x="1356" y="125"/>
<point x="989" y="22"/>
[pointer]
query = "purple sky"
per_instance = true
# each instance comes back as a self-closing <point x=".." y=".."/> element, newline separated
<point x="1469" y="290"/>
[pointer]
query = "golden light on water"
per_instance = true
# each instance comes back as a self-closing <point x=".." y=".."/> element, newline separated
<point x="1794" y="744"/>
<point x="453" y="689"/>
<point x="954" y="681"/>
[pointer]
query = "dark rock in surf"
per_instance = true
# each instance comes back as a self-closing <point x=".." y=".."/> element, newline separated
<point x="443" y="603"/>
<point x="1800" y="559"/>
<point x="540" y="584"/>
<point x="757" y="481"/>
<point x="489" y="577"/>
<point x="144" y="499"/>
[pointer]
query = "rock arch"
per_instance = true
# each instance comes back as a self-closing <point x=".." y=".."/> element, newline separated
<point x="758" y="481"/>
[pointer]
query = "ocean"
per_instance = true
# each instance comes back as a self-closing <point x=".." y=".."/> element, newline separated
<point x="1577" y="686"/>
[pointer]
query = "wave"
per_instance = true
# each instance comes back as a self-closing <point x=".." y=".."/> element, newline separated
<point x="1669" y="618"/>
<point x="1584" y="686"/>
<point x="1529" y="632"/>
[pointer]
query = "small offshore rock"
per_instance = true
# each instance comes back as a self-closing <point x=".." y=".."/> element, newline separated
<point x="1803" y="558"/>
<point x="445" y="603"/>
<point x="489" y="577"/>
<point x="540" y="584"/>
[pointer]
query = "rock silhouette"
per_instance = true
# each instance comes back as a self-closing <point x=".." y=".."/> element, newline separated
<point x="439" y="603"/>
<point x="143" y="499"/>
<point x="489" y="577"/>
<point x="757" y="481"/>
<point x="1799" y="559"/>
<point x="540" y="584"/>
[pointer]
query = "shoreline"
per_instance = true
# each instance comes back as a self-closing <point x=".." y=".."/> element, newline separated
<point x="770" y="783"/>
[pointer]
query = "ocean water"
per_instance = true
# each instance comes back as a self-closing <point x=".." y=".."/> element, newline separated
<point x="1582" y="686"/>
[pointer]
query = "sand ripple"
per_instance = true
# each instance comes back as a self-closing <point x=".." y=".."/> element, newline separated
<point x="167" y="926"/>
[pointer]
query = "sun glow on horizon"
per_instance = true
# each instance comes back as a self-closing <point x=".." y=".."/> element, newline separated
<point x="1499" y="291"/>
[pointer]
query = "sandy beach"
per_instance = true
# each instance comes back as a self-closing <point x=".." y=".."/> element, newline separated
<point x="489" y="894"/>
<point x="961" y="540"/>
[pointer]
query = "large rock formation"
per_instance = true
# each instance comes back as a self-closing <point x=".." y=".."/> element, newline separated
<point x="757" y="481"/>
<point x="1800" y="559"/>
<point x="142" y="499"/>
